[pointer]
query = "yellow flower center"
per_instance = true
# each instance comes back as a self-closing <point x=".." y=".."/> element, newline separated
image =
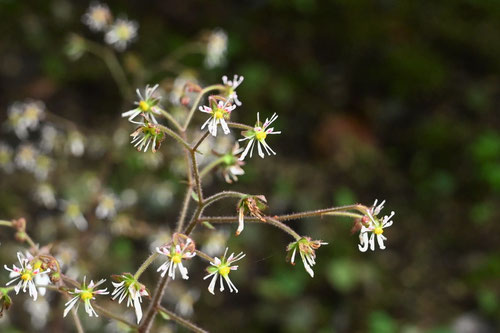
<point x="176" y="259"/>
<point x="378" y="231"/>
<point x="224" y="270"/>
<point x="26" y="276"/>
<point x="37" y="265"/>
<point x="218" y="114"/>
<point x="123" y="32"/>
<point x="143" y="105"/>
<point x="85" y="295"/>
<point x="260" y="135"/>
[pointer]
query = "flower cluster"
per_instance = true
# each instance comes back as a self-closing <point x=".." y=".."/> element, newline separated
<point x="25" y="116"/>
<point x="118" y="33"/>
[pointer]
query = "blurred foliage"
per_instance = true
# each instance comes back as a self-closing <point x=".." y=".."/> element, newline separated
<point x="386" y="99"/>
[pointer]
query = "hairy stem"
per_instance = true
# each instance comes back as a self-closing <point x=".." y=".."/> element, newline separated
<point x="196" y="176"/>
<point x="199" y="142"/>
<point x="111" y="315"/>
<point x="222" y="195"/>
<point x="174" y="135"/>
<point x="240" y="126"/>
<point x="147" y="322"/>
<point x="169" y="117"/>
<point x="203" y="255"/>
<point x="145" y="265"/>
<point x="185" y="206"/>
<point x="197" y="101"/>
<point x="181" y="321"/>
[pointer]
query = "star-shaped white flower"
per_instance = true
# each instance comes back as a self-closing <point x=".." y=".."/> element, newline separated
<point x="259" y="135"/>
<point x="373" y="227"/>
<point x="175" y="254"/>
<point x="85" y="294"/>
<point x="219" y="113"/>
<point x="25" y="275"/>
<point x="221" y="268"/>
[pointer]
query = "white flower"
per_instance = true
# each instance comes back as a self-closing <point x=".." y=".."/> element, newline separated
<point x="26" y="157"/>
<point x="97" y="17"/>
<point x="231" y="87"/>
<point x="44" y="194"/>
<point x="75" y="144"/>
<point x="33" y="112"/>
<point x="85" y="294"/>
<point x="259" y="134"/>
<point x="48" y="138"/>
<point x="221" y="268"/>
<point x="180" y="248"/>
<point x="147" y="105"/>
<point x="307" y="250"/>
<point x="129" y="287"/>
<point x="107" y="207"/>
<point x="26" y="275"/>
<point x="72" y="213"/>
<point x="121" y="33"/>
<point x="375" y="227"/>
<point x="216" y="48"/>
<point x="6" y="158"/>
<point x="24" y="116"/>
<point x="146" y="134"/>
<point x="219" y="113"/>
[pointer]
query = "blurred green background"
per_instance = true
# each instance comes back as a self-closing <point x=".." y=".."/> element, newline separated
<point x="386" y="99"/>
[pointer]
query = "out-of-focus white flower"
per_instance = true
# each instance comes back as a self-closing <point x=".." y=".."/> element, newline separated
<point x="43" y="167"/>
<point x="121" y="33"/>
<point x="128" y="287"/>
<point x="39" y="312"/>
<point x="216" y="242"/>
<point x="85" y="294"/>
<point x="181" y="248"/>
<point x="48" y="138"/>
<point x="231" y="87"/>
<point x="6" y="161"/>
<point x="26" y="157"/>
<point x="307" y="250"/>
<point x="186" y="301"/>
<point x="25" y="275"/>
<point x="259" y="134"/>
<point x="108" y="206"/>
<point x="221" y="268"/>
<point x="147" y="105"/>
<point x="44" y="194"/>
<point x="219" y="111"/>
<point x="24" y="116"/>
<point x="179" y="90"/>
<point x="216" y="48"/>
<point x="73" y="214"/>
<point x="230" y="164"/>
<point x="373" y="227"/>
<point x="98" y="17"/>
<point x="75" y="144"/>
<point x="147" y="134"/>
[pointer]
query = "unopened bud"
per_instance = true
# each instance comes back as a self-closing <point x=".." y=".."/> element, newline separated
<point x="55" y="277"/>
<point x="21" y="236"/>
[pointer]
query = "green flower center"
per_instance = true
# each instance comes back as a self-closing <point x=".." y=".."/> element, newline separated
<point x="219" y="114"/>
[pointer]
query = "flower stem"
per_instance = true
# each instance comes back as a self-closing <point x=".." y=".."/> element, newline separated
<point x="185" y="206"/>
<point x="181" y="321"/>
<point x="240" y="126"/>
<point x="145" y="265"/>
<point x="222" y="195"/>
<point x="199" y="142"/>
<point x="76" y="319"/>
<point x="147" y="322"/>
<point x="210" y="166"/>
<point x="197" y="101"/>
<point x="5" y="223"/>
<point x="174" y="135"/>
<point x="167" y="115"/>
<point x="196" y="176"/>
<point x="204" y="256"/>
<point x="283" y="227"/>
<point x="111" y="315"/>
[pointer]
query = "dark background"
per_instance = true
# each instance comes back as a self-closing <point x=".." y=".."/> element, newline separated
<point x="394" y="100"/>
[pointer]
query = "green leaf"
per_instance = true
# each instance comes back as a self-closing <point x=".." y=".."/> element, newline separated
<point x="195" y="196"/>
<point x="164" y="315"/>
<point x="208" y="225"/>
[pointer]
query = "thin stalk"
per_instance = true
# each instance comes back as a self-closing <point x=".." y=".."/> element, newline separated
<point x="354" y="215"/>
<point x="283" y="227"/>
<point x="194" y="220"/>
<point x="196" y="176"/>
<point x="222" y="195"/>
<point x="203" y="255"/>
<point x="31" y="243"/>
<point x="113" y="64"/>
<point x="145" y="265"/>
<point x="5" y="223"/>
<point x="181" y="321"/>
<point x="197" y="101"/>
<point x="147" y="322"/>
<point x="167" y="115"/>
<point x="111" y="315"/>
<point x="240" y="126"/>
<point x="174" y="135"/>
<point x="210" y="166"/>
<point x="185" y="206"/>
<point x="199" y="142"/>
